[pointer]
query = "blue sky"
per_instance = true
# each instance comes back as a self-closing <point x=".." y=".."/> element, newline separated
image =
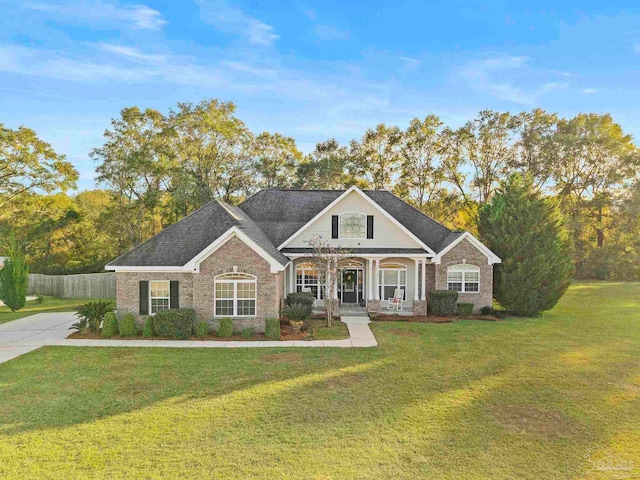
<point x="312" y="69"/>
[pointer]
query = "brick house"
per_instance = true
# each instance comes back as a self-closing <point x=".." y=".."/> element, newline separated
<point x="240" y="262"/>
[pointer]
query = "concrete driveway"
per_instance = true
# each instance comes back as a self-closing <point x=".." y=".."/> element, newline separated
<point x="26" y="334"/>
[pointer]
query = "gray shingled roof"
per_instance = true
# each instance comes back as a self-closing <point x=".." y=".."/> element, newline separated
<point x="372" y="251"/>
<point x="270" y="217"/>
<point x="180" y="242"/>
<point x="281" y="213"/>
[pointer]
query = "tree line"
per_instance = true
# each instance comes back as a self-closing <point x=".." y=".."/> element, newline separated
<point x="154" y="168"/>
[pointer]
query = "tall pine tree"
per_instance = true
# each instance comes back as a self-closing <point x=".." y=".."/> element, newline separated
<point x="14" y="277"/>
<point x="527" y="232"/>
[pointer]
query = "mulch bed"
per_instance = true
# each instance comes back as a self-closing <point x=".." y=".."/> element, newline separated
<point x="429" y="318"/>
<point x="285" y="335"/>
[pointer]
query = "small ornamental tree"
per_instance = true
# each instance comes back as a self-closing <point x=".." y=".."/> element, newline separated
<point x="326" y="260"/>
<point x="14" y="277"/>
<point x="526" y="231"/>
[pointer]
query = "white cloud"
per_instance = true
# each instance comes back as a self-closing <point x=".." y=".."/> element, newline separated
<point x="137" y="16"/>
<point x="130" y="52"/>
<point x="589" y="91"/>
<point x="230" y="19"/>
<point x="410" y="63"/>
<point x="329" y="32"/>
<point x="497" y="77"/>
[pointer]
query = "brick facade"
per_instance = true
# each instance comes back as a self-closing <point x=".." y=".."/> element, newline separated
<point x="197" y="289"/>
<point x="462" y="253"/>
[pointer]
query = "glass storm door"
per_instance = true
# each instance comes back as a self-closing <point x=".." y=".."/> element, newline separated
<point x="350" y="286"/>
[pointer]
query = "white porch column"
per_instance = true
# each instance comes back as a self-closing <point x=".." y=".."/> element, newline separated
<point x="292" y="278"/>
<point x="376" y="278"/>
<point x="370" y="279"/>
<point x="416" y="277"/>
<point x="423" y="293"/>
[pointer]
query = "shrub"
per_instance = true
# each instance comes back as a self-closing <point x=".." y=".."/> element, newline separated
<point x="91" y="315"/>
<point x="39" y="299"/>
<point x="301" y="298"/>
<point x="248" y="332"/>
<point x="296" y="312"/>
<point x="486" y="310"/>
<point x="529" y="234"/>
<point x="128" y="326"/>
<point x="178" y="323"/>
<point x="109" y="325"/>
<point x="203" y="330"/>
<point x="147" y="332"/>
<point x="443" y="302"/>
<point x="465" y="309"/>
<point x="226" y="328"/>
<point x="14" y="277"/>
<point x="272" y="328"/>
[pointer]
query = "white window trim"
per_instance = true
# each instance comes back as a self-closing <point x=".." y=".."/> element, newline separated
<point x="340" y="226"/>
<point x="393" y="267"/>
<point x="302" y="268"/>
<point x="220" y="279"/>
<point x="464" y="269"/>
<point x="168" y="297"/>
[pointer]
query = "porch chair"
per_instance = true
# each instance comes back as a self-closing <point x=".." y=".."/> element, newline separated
<point x="395" y="302"/>
<point x="315" y="300"/>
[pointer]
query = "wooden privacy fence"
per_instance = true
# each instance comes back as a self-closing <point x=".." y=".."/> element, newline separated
<point x="88" y="285"/>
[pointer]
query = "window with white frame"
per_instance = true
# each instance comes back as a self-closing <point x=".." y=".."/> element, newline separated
<point x="463" y="278"/>
<point x="392" y="276"/>
<point x="235" y="295"/>
<point x="159" y="296"/>
<point x="307" y="278"/>
<point x="353" y="225"/>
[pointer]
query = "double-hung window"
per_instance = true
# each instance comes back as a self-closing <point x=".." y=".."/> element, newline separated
<point x="463" y="278"/>
<point x="159" y="296"/>
<point x="307" y="278"/>
<point x="392" y="276"/>
<point x="235" y="295"/>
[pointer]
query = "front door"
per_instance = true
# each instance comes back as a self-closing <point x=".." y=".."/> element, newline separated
<point x="350" y="286"/>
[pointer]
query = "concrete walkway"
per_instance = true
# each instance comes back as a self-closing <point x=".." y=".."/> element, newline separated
<point x="26" y="334"/>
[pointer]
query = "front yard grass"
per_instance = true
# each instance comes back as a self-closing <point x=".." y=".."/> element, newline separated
<point x="518" y="398"/>
<point x="337" y="331"/>
<point x="50" y="304"/>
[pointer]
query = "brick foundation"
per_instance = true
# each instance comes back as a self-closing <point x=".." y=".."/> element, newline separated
<point x="373" y="306"/>
<point x="420" y="307"/>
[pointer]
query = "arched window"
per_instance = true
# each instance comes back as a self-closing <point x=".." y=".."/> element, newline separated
<point x="307" y="278"/>
<point x="353" y="225"/>
<point x="392" y="276"/>
<point x="463" y="278"/>
<point x="235" y="295"/>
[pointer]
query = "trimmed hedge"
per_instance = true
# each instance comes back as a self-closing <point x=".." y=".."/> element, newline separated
<point x="147" y="331"/>
<point x="128" y="326"/>
<point x="226" y="328"/>
<point x="442" y="303"/>
<point x="272" y="328"/>
<point x="248" y="332"/>
<point x="301" y="298"/>
<point x="178" y="323"/>
<point x="203" y="330"/>
<point x="109" y="325"/>
<point x="465" y="308"/>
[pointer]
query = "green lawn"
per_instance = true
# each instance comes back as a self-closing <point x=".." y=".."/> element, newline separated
<point x="523" y="398"/>
<point x="337" y="331"/>
<point x="50" y="304"/>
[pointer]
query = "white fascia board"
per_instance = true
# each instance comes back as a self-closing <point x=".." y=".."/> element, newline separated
<point x="374" y="204"/>
<point x="366" y="255"/>
<point x="193" y="265"/>
<point x="128" y="268"/>
<point x="491" y="257"/>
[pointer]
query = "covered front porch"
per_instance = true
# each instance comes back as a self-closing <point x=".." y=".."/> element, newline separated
<point x="366" y="282"/>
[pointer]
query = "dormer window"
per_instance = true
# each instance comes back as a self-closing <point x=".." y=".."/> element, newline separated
<point x="353" y="225"/>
